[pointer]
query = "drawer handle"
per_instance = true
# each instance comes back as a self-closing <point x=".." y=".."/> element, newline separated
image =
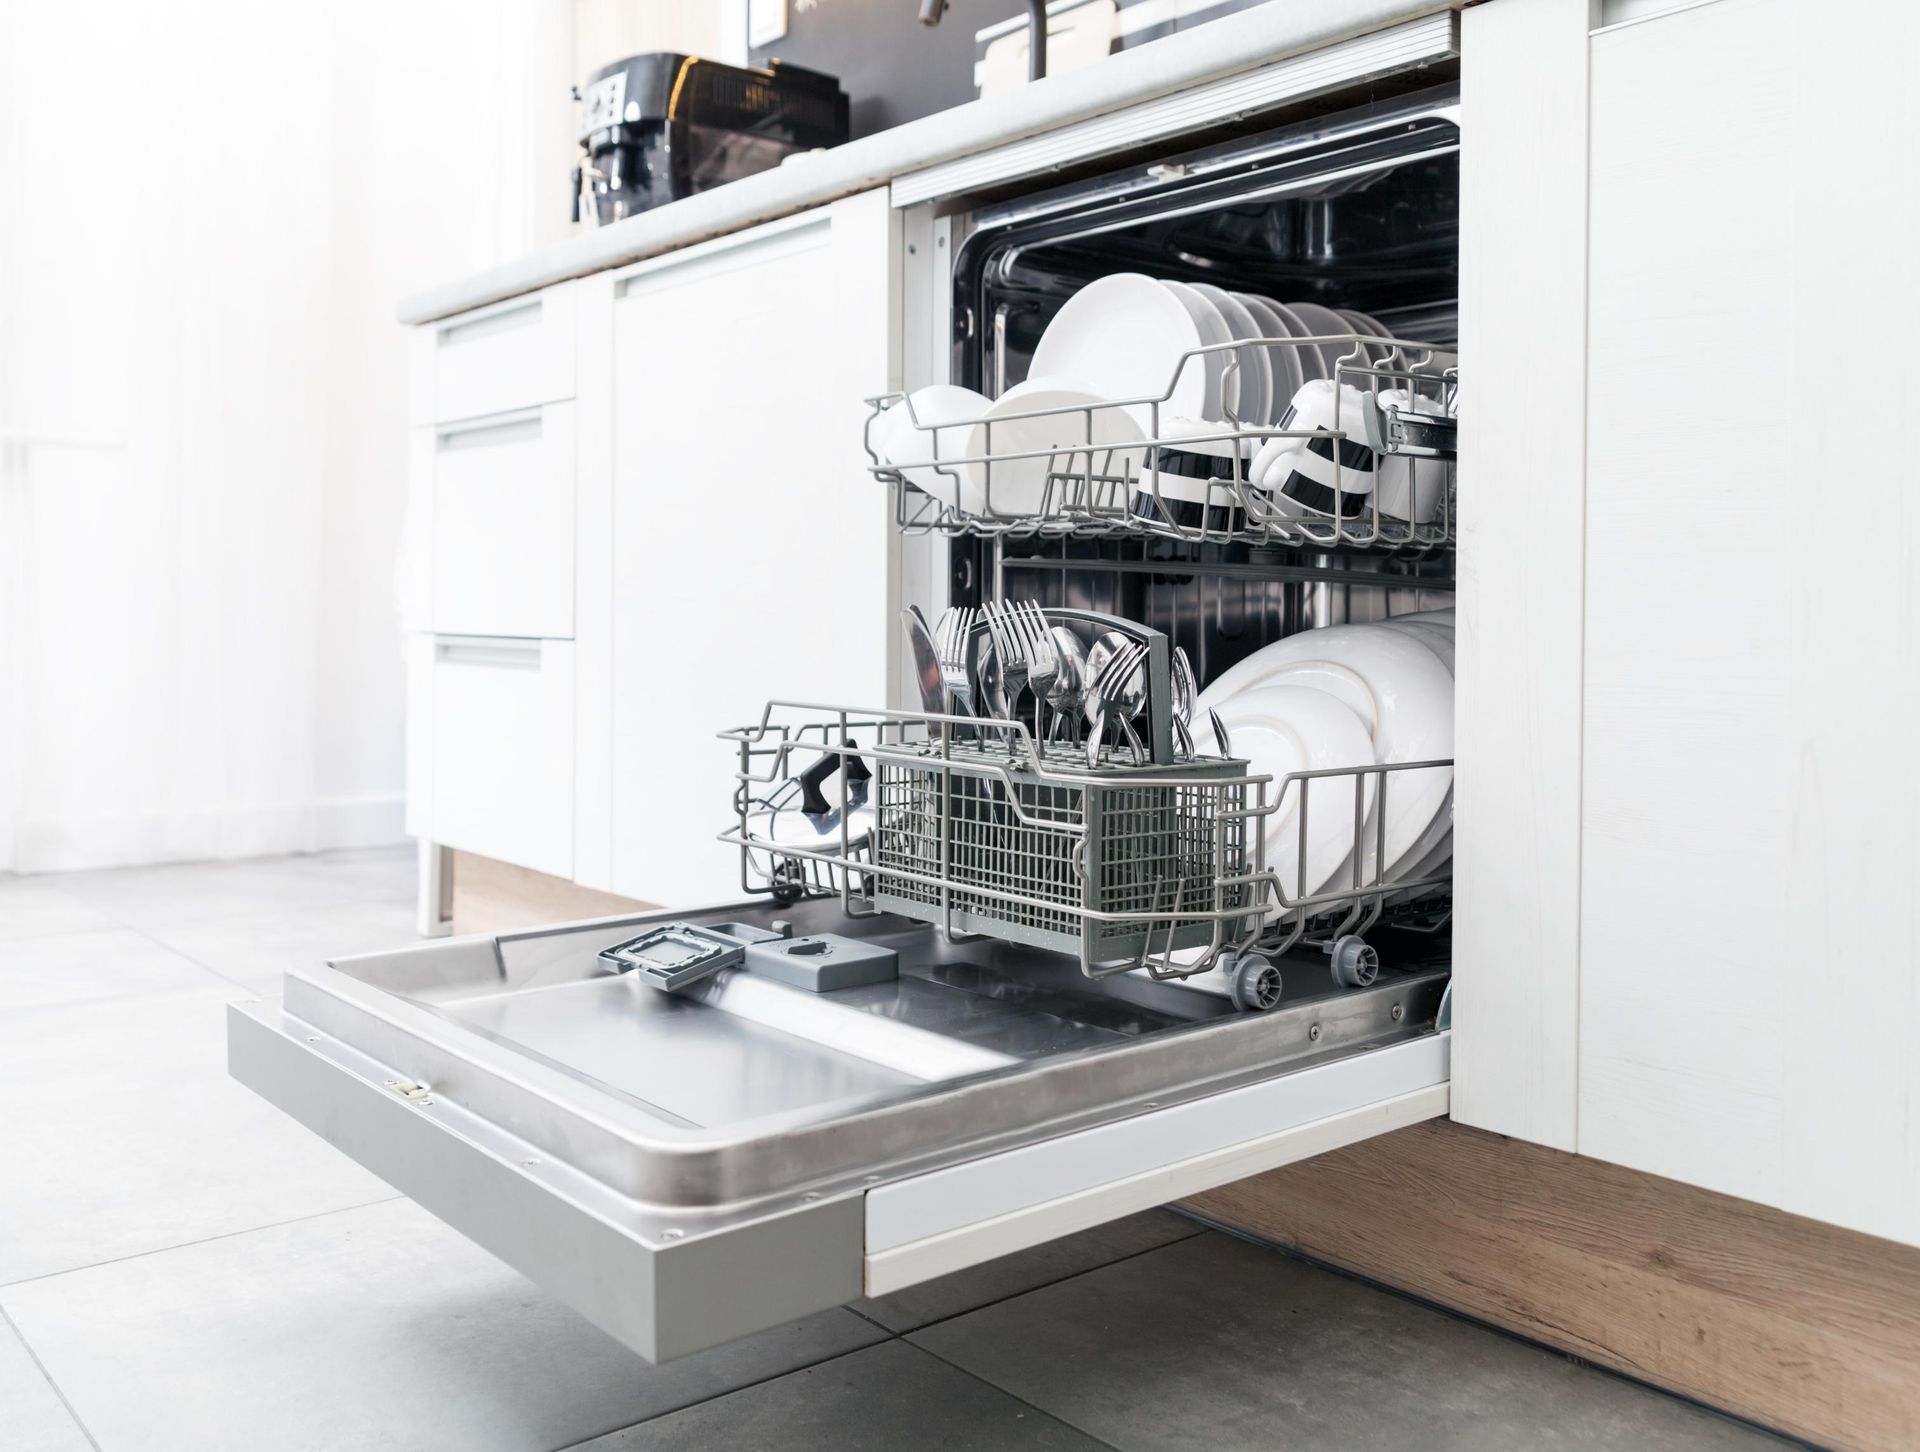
<point x="465" y="330"/>
<point x="491" y="433"/>
<point x="503" y="652"/>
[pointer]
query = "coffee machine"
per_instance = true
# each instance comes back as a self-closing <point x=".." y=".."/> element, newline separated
<point x="655" y="128"/>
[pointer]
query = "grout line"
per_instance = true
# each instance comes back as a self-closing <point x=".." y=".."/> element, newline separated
<point x="6" y="1286"/>
<point x="873" y="1322"/>
<point x="203" y="967"/>
<point x="52" y="1385"/>
<point x="1011" y="1395"/>
<point x="723" y="1395"/>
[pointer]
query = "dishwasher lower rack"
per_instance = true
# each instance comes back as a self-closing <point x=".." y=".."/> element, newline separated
<point x="1372" y="465"/>
<point x="972" y="827"/>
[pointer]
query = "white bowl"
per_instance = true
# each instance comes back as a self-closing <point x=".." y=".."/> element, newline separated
<point x="928" y="425"/>
<point x="1091" y="436"/>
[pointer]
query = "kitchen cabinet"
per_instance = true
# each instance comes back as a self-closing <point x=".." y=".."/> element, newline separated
<point x="1723" y="995"/>
<point x="509" y="355"/>
<point x="502" y="523"/>
<point x="501" y="749"/>
<point x="746" y="545"/>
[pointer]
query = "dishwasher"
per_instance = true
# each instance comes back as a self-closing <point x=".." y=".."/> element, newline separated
<point x="984" y="985"/>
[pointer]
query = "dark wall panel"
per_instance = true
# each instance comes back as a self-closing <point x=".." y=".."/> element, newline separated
<point x="894" y="68"/>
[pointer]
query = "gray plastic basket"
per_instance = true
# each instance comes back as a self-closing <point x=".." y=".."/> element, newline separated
<point x="1035" y="858"/>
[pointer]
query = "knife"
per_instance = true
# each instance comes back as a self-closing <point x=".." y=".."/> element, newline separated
<point x="926" y="662"/>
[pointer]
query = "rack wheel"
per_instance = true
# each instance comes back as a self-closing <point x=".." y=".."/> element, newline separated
<point x="789" y="882"/>
<point x="1254" y="983"/>
<point x="1355" y="965"/>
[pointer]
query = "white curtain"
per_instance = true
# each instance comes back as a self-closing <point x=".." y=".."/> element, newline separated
<point x="207" y="213"/>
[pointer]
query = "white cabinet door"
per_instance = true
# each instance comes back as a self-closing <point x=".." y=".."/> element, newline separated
<point x="502" y="749"/>
<point x="1723" y="996"/>
<point x="509" y="355"/>
<point x="502" y="524"/>
<point x="1751" y="838"/>
<point x="749" y="545"/>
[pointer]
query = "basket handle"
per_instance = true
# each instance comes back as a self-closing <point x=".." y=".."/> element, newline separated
<point x="812" y="802"/>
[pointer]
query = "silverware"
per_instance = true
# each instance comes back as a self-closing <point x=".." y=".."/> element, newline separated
<point x="927" y="674"/>
<point x="1043" y="661"/>
<point x="1220" y="733"/>
<point x="1009" y="649"/>
<point x="953" y="644"/>
<point x="1111" y="688"/>
<point x="1070" y="676"/>
<point x="1185" y="688"/>
<point x="1128" y="693"/>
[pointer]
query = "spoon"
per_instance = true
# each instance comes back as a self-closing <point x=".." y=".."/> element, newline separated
<point x="1071" y="680"/>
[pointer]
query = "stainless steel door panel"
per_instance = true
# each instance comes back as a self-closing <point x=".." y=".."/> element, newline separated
<point x="688" y="1168"/>
<point x="648" y="1281"/>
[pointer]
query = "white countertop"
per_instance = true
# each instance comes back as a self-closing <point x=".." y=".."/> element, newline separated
<point x="1225" y="47"/>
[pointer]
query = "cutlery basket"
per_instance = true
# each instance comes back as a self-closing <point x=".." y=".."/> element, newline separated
<point x="1116" y="863"/>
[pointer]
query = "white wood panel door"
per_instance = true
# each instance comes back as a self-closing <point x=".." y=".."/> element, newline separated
<point x="1751" y="830"/>
<point x="749" y="542"/>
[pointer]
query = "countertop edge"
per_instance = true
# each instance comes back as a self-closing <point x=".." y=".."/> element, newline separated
<point x="1224" y="47"/>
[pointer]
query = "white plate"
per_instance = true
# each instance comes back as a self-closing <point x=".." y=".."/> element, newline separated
<point x="1323" y="322"/>
<point x="1282" y="363"/>
<point x="1279" y="729"/>
<point x="1436" y="638"/>
<point x="1307" y="356"/>
<point x="909" y="438"/>
<point x="1415" y="723"/>
<point x="1122" y="337"/>
<point x="1019" y="486"/>
<point x="1442" y="852"/>
<point x="1363" y="323"/>
<point x="1254" y="377"/>
<point x="1222" y="392"/>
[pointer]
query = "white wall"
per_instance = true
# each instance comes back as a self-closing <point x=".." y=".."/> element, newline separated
<point x="207" y="212"/>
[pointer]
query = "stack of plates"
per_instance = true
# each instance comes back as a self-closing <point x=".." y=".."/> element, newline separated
<point x="1123" y="337"/>
<point x="1346" y="696"/>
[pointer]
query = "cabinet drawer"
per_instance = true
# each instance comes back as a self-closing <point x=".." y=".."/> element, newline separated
<point x="687" y="1168"/>
<point x="503" y="524"/>
<point x="502" y="754"/>
<point x="512" y="355"/>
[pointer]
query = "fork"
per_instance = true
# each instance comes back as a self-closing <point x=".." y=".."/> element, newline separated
<point x="1010" y="650"/>
<point x="952" y="641"/>
<point x="1043" y="659"/>
<point x="1107" y="689"/>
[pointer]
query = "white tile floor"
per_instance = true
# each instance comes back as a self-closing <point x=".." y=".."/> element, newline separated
<point x="183" y="1267"/>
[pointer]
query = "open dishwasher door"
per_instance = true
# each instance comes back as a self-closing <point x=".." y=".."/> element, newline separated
<point x="685" y="1168"/>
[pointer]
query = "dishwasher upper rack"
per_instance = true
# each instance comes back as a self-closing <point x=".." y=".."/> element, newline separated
<point x="980" y="832"/>
<point x="1388" y="485"/>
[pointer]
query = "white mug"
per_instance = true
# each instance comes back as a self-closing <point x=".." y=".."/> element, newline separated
<point x="1410" y="488"/>
<point x="1321" y="475"/>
